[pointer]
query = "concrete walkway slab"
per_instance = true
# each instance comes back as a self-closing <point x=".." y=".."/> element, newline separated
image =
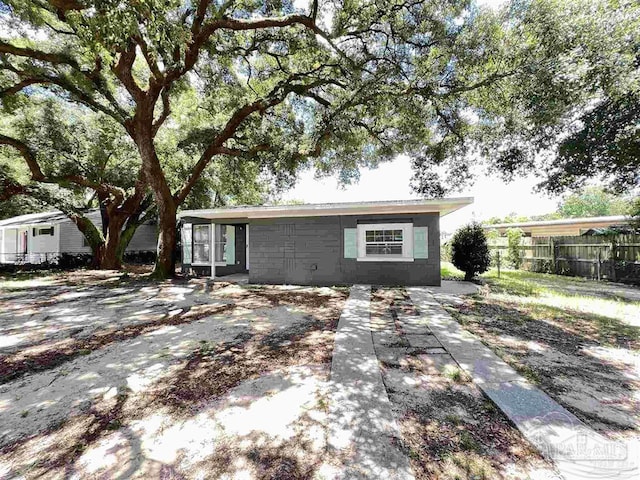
<point x="387" y="339"/>
<point x="363" y="432"/>
<point x="423" y="341"/>
<point x="577" y="451"/>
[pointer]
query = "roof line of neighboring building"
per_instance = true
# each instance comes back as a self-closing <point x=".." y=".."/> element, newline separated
<point x="443" y="206"/>
<point x="52" y="216"/>
<point x="562" y="221"/>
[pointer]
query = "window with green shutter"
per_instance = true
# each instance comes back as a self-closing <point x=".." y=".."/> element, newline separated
<point x="385" y="242"/>
<point x="350" y="243"/>
<point x="420" y="242"/>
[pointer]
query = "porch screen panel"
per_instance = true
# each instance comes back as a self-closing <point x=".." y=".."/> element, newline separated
<point x="221" y="242"/>
<point x="201" y="244"/>
<point x="187" y="234"/>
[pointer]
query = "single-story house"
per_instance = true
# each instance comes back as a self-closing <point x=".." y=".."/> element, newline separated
<point x="569" y="227"/>
<point x="43" y="237"/>
<point x="383" y="243"/>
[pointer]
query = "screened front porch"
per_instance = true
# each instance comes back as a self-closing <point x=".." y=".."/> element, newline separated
<point x="215" y="249"/>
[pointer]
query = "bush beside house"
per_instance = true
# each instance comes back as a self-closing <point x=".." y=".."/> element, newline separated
<point x="469" y="250"/>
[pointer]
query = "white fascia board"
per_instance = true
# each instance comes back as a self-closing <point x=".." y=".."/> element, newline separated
<point x="442" y="206"/>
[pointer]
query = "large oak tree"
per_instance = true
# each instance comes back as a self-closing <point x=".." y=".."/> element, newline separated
<point x="345" y="83"/>
<point x="68" y="142"/>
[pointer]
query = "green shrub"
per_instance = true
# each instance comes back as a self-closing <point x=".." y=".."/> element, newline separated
<point x="514" y="253"/>
<point x="469" y="250"/>
<point x="445" y="252"/>
<point x="542" y="266"/>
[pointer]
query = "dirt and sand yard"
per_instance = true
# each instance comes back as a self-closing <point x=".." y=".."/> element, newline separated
<point x="577" y="340"/>
<point x="104" y="375"/>
<point x="450" y="430"/>
<point x="101" y="376"/>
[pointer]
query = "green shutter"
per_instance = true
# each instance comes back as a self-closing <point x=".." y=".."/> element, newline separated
<point x="420" y="239"/>
<point x="350" y="243"/>
<point x="186" y="243"/>
<point x="230" y="249"/>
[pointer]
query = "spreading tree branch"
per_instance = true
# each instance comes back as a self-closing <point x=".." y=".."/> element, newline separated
<point x="53" y="58"/>
<point x="37" y="175"/>
<point x="217" y="147"/>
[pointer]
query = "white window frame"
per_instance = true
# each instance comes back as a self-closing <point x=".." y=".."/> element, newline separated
<point x="193" y="244"/>
<point x="39" y="231"/>
<point x="213" y="237"/>
<point x="407" y="242"/>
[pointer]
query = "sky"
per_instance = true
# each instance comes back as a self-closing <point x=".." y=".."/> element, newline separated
<point x="390" y="181"/>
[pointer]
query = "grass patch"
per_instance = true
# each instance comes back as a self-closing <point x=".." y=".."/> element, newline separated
<point x="576" y="339"/>
<point x="449" y="272"/>
<point x="455" y="374"/>
<point x="541" y="290"/>
<point x="511" y="283"/>
<point x="468" y="443"/>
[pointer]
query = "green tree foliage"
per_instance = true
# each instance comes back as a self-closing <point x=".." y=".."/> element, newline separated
<point x="514" y="241"/>
<point x="592" y="202"/>
<point x="445" y="252"/>
<point x="73" y="159"/>
<point x="271" y="85"/>
<point x="511" y="218"/>
<point x="14" y="193"/>
<point x="567" y="108"/>
<point x="20" y="205"/>
<point x="82" y="154"/>
<point x="469" y="250"/>
<point x="634" y="212"/>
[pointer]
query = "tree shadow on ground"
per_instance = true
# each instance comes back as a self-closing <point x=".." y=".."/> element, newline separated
<point x="70" y="341"/>
<point x="452" y="432"/>
<point x="584" y="361"/>
<point x="214" y="369"/>
<point x="204" y="376"/>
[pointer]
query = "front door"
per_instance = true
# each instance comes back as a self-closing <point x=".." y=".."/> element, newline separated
<point x="241" y="248"/>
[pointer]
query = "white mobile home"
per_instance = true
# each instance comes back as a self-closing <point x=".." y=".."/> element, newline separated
<point x="43" y="237"/>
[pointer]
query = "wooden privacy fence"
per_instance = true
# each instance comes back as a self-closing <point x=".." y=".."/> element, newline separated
<point x="615" y="258"/>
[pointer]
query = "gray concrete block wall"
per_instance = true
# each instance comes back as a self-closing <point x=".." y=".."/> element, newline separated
<point x="309" y="251"/>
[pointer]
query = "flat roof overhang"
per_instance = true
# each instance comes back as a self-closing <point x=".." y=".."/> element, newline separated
<point x="443" y="206"/>
<point x="560" y="222"/>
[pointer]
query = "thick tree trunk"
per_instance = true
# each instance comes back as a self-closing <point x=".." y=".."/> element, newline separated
<point x="132" y="223"/>
<point x="166" y="261"/>
<point x="167" y="208"/>
<point x="93" y="236"/>
<point x="110" y="260"/>
<point x="97" y="251"/>
<point x="125" y="239"/>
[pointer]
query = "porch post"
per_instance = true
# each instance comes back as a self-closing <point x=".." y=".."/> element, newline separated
<point x="212" y="250"/>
